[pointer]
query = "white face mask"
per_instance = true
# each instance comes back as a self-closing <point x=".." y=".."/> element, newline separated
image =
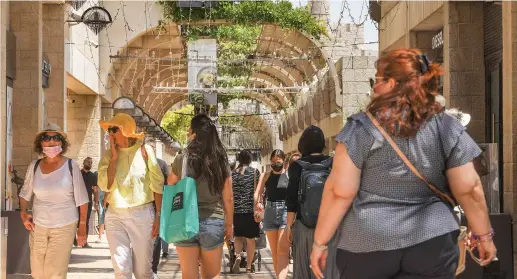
<point x="52" y="151"/>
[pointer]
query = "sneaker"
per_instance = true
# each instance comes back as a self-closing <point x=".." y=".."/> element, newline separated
<point x="165" y="255"/>
<point x="98" y="241"/>
<point x="87" y="246"/>
<point x="237" y="265"/>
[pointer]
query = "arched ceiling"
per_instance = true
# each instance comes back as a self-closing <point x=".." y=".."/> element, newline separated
<point x="156" y="58"/>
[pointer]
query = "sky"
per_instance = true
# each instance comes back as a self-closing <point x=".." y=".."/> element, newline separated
<point x="358" y="10"/>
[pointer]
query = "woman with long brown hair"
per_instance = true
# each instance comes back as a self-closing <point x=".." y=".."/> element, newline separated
<point x="393" y="224"/>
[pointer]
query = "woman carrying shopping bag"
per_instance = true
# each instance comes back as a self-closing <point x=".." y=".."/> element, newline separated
<point x="206" y="162"/>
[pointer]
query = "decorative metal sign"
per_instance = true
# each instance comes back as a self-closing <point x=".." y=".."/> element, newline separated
<point x="45" y="72"/>
<point x="437" y="40"/>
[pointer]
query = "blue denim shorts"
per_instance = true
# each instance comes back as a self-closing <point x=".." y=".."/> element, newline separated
<point x="211" y="235"/>
<point x="275" y="216"/>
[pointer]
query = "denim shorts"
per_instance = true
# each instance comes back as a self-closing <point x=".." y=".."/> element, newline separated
<point x="211" y="235"/>
<point x="275" y="216"/>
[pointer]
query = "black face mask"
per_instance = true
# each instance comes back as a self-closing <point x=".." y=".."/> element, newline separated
<point x="277" y="167"/>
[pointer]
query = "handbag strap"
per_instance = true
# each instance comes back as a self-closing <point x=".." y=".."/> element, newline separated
<point x="446" y="198"/>
<point x="184" y="166"/>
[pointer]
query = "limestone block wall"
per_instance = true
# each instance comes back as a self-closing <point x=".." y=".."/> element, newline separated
<point x="344" y="40"/>
<point x="27" y="89"/>
<point x="4" y="25"/>
<point x="510" y="116"/>
<point x="53" y="41"/>
<point x="355" y="72"/>
<point x="83" y="115"/>
<point x="464" y="63"/>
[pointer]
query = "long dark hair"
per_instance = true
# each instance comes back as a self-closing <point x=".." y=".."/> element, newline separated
<point x="206" y="155"/>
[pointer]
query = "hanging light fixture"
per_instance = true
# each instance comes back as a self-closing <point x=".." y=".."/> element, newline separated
<point x="96" y="18"/>
<point x="76" y="4"/>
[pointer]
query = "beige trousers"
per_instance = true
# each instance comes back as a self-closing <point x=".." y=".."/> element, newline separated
<point x="129" y="232"/>
<point x="50" y="251"/>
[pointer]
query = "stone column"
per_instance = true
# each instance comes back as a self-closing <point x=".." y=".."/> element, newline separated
<point x="510" y="115"/>
<point x="54" y="51"/>
<point x="26" y="21"/>
<point x="83" y="115"/>
<point x="3" y="101"/>
<point x="464" y="80"/>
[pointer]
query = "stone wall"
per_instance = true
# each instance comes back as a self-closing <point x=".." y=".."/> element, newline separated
<point x="355" y="72"/>
<point x="345" y="40"/>
<point x="83" y="115"/>
<point x="4" y="11"/>
<point x="464" y="63"/>
<point x="27" y="107"/>
<point x="53" y="41"/>
<point x="510" y="116"/>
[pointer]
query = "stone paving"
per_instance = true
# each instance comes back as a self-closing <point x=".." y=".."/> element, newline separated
<point x="96" y="263"/>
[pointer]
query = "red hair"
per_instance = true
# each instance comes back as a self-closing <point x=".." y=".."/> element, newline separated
<point x="411" y="103"/>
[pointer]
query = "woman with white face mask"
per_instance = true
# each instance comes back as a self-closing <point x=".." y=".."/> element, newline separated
<point x="55" y="186"/>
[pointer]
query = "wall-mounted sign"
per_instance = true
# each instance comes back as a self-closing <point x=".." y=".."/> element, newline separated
<point x="45" y="72"/>
<point x="437" y="40"/>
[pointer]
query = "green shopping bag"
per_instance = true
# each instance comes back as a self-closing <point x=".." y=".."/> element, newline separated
<point x="179" y="219"/>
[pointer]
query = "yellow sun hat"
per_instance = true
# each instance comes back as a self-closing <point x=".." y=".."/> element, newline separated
<point x="125" y="123"/>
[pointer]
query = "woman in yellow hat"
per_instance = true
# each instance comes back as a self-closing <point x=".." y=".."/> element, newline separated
<point x="130" y="173"/>
<point x="56" y="188"/>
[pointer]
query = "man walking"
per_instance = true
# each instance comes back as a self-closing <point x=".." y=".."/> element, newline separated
<point x="90" y="181"/>
<point x="160" y="243"/>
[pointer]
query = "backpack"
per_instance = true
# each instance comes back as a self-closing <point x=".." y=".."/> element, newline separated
<point x="310" y="191"/>
<point x="69" y="167"/>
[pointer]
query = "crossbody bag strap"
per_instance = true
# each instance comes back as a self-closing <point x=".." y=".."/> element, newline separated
<point x="184" y="166"/>
<point x="446" y="198"/>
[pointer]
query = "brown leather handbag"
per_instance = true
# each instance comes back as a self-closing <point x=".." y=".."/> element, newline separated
<point x="445" y="197"/>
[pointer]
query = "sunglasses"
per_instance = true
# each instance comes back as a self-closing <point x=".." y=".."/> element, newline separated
<point x="375" y="80"/>
<point x="47" y="138"/>
<point x="113" y="130"/>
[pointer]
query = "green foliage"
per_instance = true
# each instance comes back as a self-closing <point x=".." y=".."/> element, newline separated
<point x="238" y="40"/>
<point x="229" y="119"/>
<point x="250" y="13"/>
<point x="177" y="123"/>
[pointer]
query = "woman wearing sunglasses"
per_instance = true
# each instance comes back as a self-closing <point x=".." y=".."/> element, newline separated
<point x="396" y="171"/>
<point x="55" y="186"/>
<point x="131" y="177"/>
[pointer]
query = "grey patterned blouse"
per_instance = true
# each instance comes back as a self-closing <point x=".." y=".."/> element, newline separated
<point x="393" y="208"/>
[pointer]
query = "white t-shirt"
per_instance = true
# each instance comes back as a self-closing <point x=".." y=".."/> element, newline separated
<point x="56" y="196"/>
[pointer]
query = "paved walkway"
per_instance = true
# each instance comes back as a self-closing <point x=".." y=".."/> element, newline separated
<point x="96" y="263"/>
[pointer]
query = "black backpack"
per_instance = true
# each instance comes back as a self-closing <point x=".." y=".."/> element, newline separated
<point x="312" y="181"/>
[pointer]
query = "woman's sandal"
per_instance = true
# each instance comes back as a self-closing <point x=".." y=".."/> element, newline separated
<point x="249" y="270"/>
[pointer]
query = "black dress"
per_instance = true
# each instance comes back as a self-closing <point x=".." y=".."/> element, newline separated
<point x="243" y="190"/>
